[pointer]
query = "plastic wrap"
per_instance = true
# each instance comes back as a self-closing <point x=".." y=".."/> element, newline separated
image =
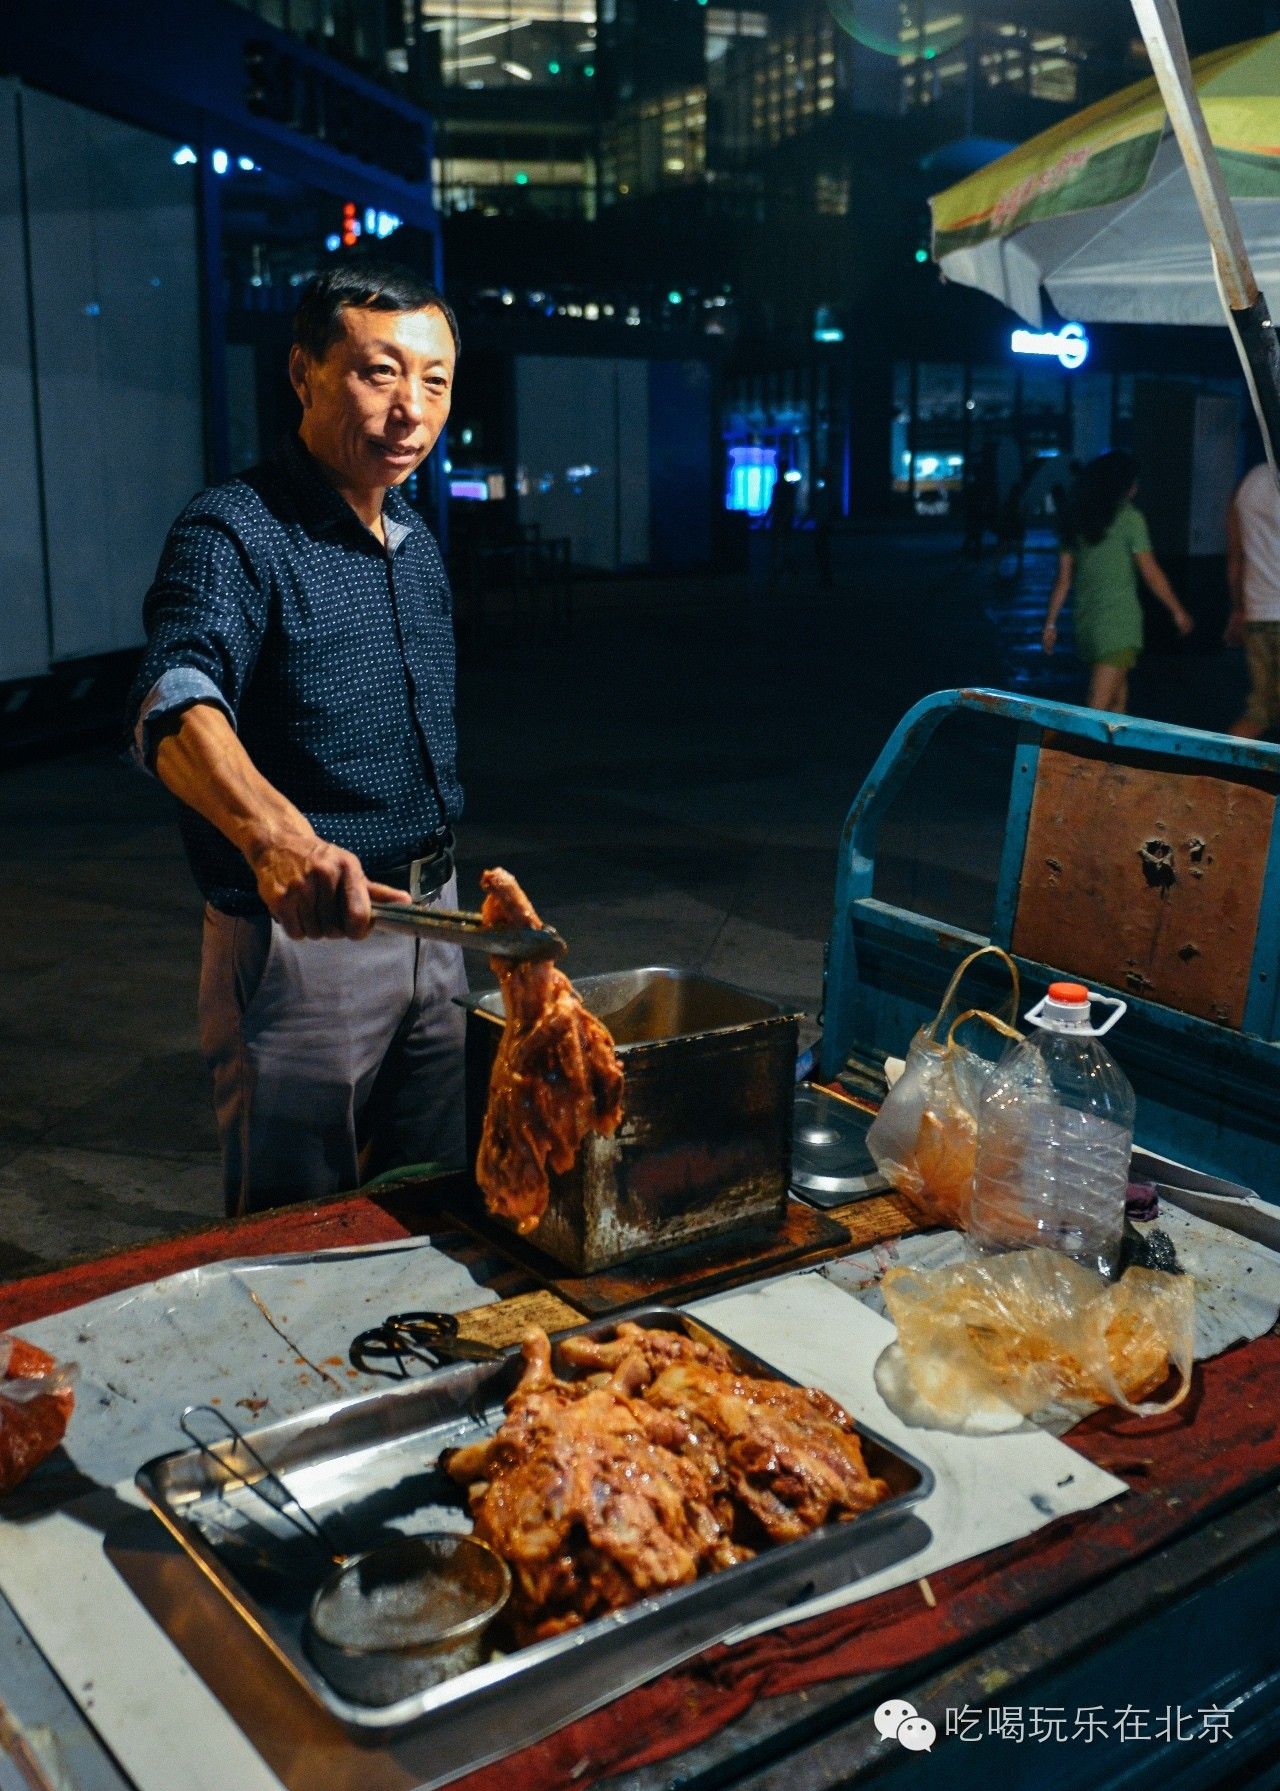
<point x="36" y="1402"/>
<point x="1033" y="1331"/>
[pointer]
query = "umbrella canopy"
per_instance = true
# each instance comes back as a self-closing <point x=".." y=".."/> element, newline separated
<point x="1099" y="210"/>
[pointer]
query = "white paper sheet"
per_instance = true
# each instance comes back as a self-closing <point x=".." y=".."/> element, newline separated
<point x="826" y="1338"/>
<point x="147" y="1353"/>
<point x="165" y="1728"/>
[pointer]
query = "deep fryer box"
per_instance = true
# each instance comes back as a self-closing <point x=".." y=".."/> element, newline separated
<point x="704" y="1146"/>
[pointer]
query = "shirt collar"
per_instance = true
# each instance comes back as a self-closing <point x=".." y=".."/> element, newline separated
<point x="323" y="506"/>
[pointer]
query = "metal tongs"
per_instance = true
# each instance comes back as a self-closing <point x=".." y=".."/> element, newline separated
<point x="521" y="944"/>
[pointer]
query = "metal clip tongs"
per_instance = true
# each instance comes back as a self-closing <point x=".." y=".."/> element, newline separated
<point x="264" y="1484"/>
<point x="521" y="944"/>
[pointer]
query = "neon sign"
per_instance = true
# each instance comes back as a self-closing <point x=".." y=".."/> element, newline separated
<point x="1069" y="345"/>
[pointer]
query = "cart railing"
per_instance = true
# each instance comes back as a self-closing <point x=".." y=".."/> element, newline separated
<point x="1209" y="1092"/>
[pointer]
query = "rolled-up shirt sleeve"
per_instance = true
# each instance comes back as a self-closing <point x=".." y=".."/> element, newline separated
<point x="205" y="615"/>
<point x="173" y="691"/>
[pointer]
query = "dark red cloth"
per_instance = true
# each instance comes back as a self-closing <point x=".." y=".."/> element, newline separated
<point x="353" y="1219"/>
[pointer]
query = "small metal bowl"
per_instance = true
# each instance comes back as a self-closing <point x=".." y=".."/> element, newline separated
<point x="405" y="1615"/>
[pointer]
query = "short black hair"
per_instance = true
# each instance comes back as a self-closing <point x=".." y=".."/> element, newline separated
<point x="367" y="283"/>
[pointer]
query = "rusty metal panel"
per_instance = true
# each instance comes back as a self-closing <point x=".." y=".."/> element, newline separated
<point x="1145" y="876"/>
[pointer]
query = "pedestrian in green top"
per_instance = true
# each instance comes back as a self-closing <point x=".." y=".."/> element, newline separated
<point x="1105" y="550"/>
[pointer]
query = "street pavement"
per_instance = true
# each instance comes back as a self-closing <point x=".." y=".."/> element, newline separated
<point x="667" y="775"/>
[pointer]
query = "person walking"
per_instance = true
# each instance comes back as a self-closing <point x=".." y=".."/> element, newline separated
<point x="1253" y="578"/>
<point x="1106" y="549"/>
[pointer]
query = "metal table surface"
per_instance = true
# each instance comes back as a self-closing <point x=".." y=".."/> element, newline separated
<point x="1162" y="1603"/>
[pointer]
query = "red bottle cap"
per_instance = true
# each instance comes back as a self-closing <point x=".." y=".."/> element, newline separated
<point x="1071" y="992"/>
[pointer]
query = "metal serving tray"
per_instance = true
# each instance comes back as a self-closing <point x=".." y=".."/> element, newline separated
<point x="368" y="1468"/>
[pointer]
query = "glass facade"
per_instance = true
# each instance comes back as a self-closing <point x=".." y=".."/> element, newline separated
<point x="421" y="46"/>
<point x="493" y="44"/>
<point x="989" y="53"/>
<point x="957" y="423"/>
<point x="501" y="174"/>
<point x="656" y="143"/>
<point x="768" y="90"/>
<point x="788" y="421"/>
<point x="975" y="54"/>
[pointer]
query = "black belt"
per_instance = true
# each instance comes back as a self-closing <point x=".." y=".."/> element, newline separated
<point x="426" y="873"/>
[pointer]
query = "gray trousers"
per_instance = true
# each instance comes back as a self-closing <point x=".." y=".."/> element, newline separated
<point x="332" y="1059"/>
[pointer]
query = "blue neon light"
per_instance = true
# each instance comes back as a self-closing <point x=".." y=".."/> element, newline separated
<point x="753" y="473"/>
<point x="1069" y="345"/>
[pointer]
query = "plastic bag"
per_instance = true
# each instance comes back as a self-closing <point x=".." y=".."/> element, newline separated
<point x="924" y="1138"/>
<point x="36" y="1402"/>
<point x="986" y="1343"/>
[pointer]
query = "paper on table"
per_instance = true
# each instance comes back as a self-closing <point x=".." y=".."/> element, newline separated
<point x="824" y="1337"/>
<point x="148" y="1352"/>
<point x="158" y="1718"/>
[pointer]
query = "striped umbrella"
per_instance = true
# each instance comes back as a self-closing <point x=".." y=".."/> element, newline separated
<point x="1101" y="214"/>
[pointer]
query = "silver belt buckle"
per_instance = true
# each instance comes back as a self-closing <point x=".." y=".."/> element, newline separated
<point x="418" y="866"/>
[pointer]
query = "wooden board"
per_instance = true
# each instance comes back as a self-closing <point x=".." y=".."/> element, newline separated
<point x="670" y="1275"/>
<point x="508" y="1321"/>
<point x="1146" y="878"/>
<point x="874" y="1220"/>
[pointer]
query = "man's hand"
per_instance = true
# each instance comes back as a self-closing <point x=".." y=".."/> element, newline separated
<point x="1049" y="637"/>
<point x="1183" y="621"/>
<point x="314" y="889"/>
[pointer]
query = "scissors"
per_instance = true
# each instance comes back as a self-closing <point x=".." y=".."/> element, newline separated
<point x="430" y="1337"/>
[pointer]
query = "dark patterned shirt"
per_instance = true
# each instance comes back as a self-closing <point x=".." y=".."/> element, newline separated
<point x="331" y="655"/>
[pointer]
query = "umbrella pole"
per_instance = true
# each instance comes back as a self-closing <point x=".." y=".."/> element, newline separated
<point x="1246" y="308"/>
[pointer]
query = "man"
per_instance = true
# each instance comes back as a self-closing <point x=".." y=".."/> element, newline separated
<point x="1253" y="578"/>
<point x="296" y="695"/>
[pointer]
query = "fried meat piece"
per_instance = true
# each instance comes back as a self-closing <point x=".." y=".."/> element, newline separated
<point x="591" y="1498"/>
<point x="791" y="1458"/>
<point x="661" y="1462"/>
<point x="556" y="1076"/>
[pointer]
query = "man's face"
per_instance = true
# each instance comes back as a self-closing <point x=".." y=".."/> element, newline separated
<point x="375" y="403"/>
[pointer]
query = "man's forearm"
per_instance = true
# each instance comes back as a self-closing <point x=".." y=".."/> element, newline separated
<point x="316" y="890"/>
<point x="203" y="763"/>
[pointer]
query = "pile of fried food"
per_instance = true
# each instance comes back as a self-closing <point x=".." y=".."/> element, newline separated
<point x="660" y="1460"/>
<point x="556" y="1077"/>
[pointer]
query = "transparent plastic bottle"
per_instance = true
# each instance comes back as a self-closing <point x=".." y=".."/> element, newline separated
<point x="1055" y="1131"/>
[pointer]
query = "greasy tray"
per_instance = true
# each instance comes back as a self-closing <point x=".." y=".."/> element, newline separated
<point x="367" y="1468"/>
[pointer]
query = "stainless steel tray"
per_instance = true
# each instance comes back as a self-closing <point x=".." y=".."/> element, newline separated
<point x="368" y="1468"/>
